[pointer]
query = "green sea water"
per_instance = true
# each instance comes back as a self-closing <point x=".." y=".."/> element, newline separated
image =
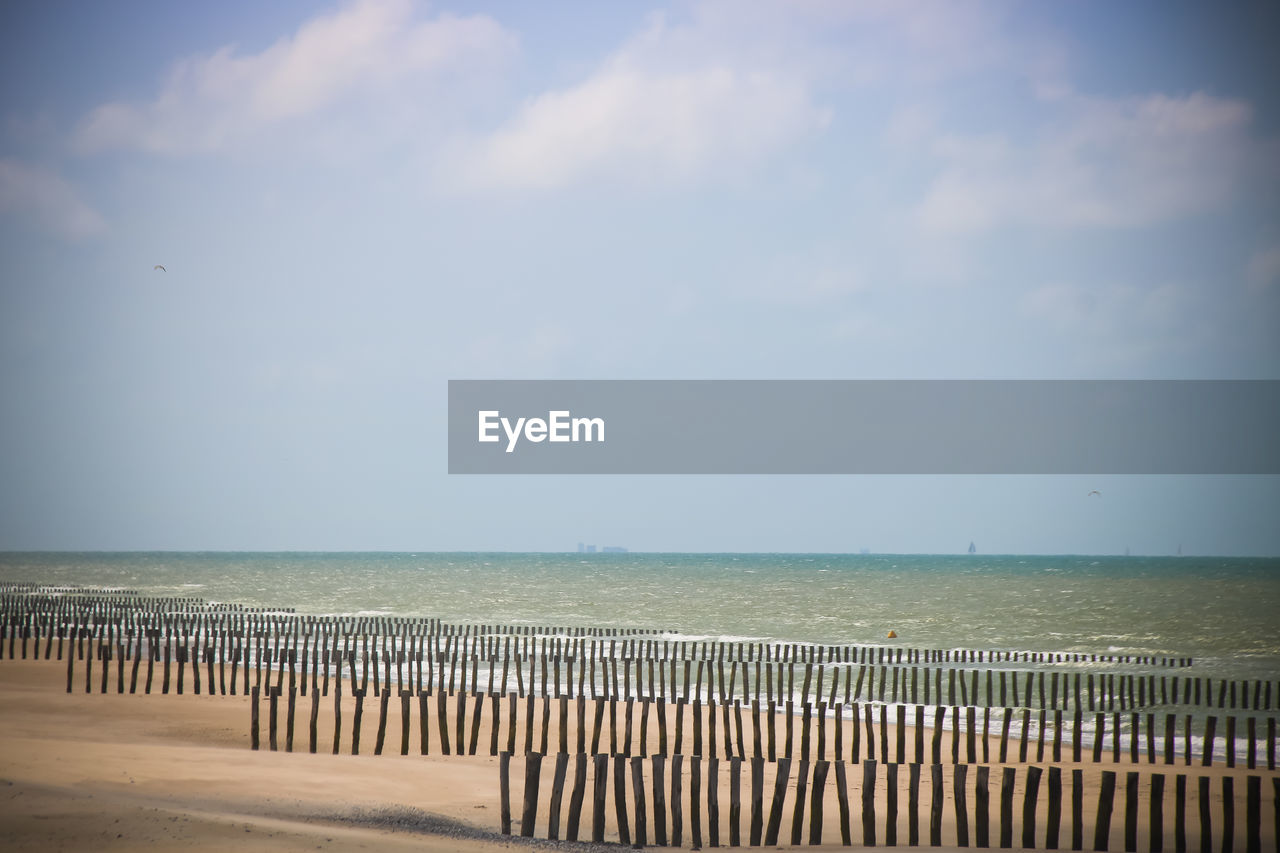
<point x="1222" y="612"/>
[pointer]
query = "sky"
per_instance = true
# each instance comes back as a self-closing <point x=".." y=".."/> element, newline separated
<point x="355" y="202"/>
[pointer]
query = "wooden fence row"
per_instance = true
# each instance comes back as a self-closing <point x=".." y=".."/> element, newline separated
<point x="648" y="805"/>
<point x="22" y="606"/>
<point x="771" y="732"/>
<point x="602" y="668"/>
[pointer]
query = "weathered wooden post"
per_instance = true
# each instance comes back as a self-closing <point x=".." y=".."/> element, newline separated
<point x="735" y="801"/>
<point x="557" y="795"/>
<point x="1206" y="818"/>
<point x="579" y="791"/>
<point x="779" y="795"/>
<point x="337" y="716"/>
<point x="695" y="799"/>
<point x="1253" y="813"/>
<point x="504" y="791"/>
<point x="819" y="787"/>
<point x="935" y="804"/>
<point x="1077" y="809"/>
<point x="599" y="794"/>
<point x="1106" y="797"/>
<point x="1210" y="728"/>
<point x="620" y="798"/>
<point x="315" y="714"/>
<point x="713" y="801"/>
<point x="1155" y="821"/>
<point x="677" y="808"/>
<point x="982" y="807"/>
<point x="253" y="717"/>
<point x="659" y="800"/>
<point x="1228" y="813"/>
<point x="274" y="694"/>
<point x="1029" y="798"/>
<point x="962" y="808"/>
<point x="532" y="776"/>
<point x="358" y="693"/>
<point x="869" y="803"/>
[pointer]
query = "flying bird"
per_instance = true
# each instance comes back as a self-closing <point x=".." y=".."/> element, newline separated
<point x="1094" y="492"/>
<point x="159" y="267"/>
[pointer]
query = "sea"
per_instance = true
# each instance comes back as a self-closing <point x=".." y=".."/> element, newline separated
<point x="1222" y="613"/>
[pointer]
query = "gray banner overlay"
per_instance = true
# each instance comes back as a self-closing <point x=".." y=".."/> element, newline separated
<point x="864" y="427"/>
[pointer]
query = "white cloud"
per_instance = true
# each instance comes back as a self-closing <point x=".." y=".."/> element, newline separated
<point x="46" y="197"/>
<point x="1104" y="163"/>
<point x="370" y="49"/>
<point x="669" y="107"/>
<point x="1119" y="327"/>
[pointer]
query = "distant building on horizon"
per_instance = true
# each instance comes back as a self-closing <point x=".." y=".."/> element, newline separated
<point x="972" y="548"/>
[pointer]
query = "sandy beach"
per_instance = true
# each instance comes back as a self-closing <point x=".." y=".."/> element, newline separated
<point x="84" y="771"/>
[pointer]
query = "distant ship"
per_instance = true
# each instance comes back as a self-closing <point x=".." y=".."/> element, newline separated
<point x="972" y="548"/>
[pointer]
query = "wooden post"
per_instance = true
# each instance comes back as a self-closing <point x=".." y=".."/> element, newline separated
<point x="383" y="702"/>
<point x="1106" y="796"/>
<point x="557" y="796"/>
<point x="779" y="796"/>
<point x="815" y="812"/>
<point x="891" y="805"/>
<point x="677" y="814"/>
<point x="1253" y="812"/>
<point x="575" y="798"/>
<point x="919" y="734"/>
<point x="355" y="726"/>
<point x="735" y="801"/>
<point x="504" y="790"/>
<point x="442" y="719"/>
<point x="982" y="807"/>
<point x="1180" y="813"/>
<point x="757" y="798"/>
<point x="1053" y="819"/>
<point x="1210" y="727"/>
<point x="274" y="698"/>
<point x="842" y="798"/>
<point x="1131" y="812"/>
<point x="620" y="798"/>
<point x="1028" y="806"/>
<point x="599" y="792"/>
<point x="713" y="801"/>
<point x="1077" y="809"/>
<point x="913" y="805"/>
<point x="532" y="776"/>
<point x="476" y="709"/>
<point x="1155" y="822"/>
<point x="1228" y="812"/>
<point x="659" y="800"/>
<point x="695" y="797"/>
<point x="869" y="803"/>
<point x="312" y="729"/>
<point x="337" y="715"/>
<point x="253" y="715"/>
<point x="962" y="807"/>
<point x="1206" y="815"/>
<point x="935" y="804"/>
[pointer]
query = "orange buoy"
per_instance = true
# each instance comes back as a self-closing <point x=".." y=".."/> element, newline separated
<point x="893" y="635"/>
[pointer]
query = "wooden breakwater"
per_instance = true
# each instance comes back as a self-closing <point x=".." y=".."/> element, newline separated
<point x="637" y="696"/>
<point x="679" y="801"/>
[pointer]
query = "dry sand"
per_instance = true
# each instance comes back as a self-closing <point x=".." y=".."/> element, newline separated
<point x="162" y="772"/>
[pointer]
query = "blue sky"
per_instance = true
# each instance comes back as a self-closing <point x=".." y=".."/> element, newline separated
<point x="356" y="202"/>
